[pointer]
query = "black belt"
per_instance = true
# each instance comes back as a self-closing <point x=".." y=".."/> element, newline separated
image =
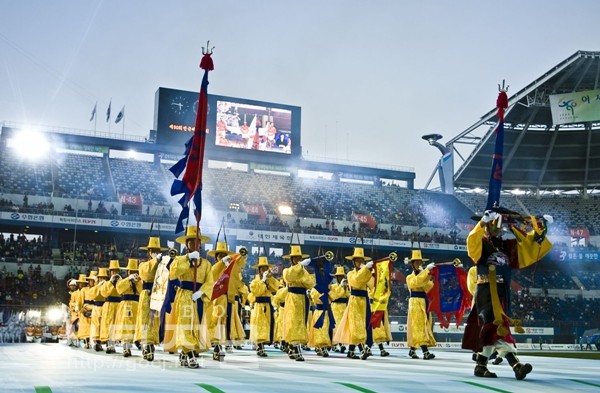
<point x="88" y="302"/>
<point x="113" y="299"/>
<point x="340" y="300"/>
<point x="98" y="303"/>
<point x="418" y="294"/>
<point x="189" y="285"/>
<point x="147" y="286"/>
<point x="297" y="290"/>
<point x="358" y="292"/>
<point x="134" y="298"/>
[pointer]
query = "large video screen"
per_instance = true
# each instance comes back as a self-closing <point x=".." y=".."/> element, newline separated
<point x="253" y="127"/>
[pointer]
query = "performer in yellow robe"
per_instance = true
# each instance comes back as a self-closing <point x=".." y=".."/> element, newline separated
<point x="382" y="334"/>
<point x="191" y="332"/>
<point x="353" y="328"/>
<point x="262" y="320"/>
<point x="73" y="321"/>
<point x="112" y="299"/>
<point x="147" y="321"/>
<point x="339" y="292"/>
<point x="278" y="302"/>
<point x="129" y="288"/>
<point x="241" y="301"/>
<point x="86" y="305"/>
<point x="295" y="314"/>
<point x="98" y="300"/>
<point x="419" y="326"/>
<point x="222" y="315"/>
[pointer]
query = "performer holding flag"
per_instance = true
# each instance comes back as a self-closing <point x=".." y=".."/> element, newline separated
<point x="380" y="295"/>
<point x="488" y="326"/>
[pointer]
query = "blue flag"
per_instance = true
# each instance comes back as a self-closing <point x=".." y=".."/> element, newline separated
<point x="495" y="185"/>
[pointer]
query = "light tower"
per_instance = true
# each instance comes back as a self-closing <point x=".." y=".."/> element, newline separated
<point x="445" y="166"/>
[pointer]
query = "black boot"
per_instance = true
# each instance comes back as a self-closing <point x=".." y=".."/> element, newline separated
<point x="191" y="360"/>
<point x="521" y="370"/>
<point x="297" y="353"/>
<point x="413" y="353"/>
<point x="481" y="369"/>
<point x="260" y="351"/>
<point x="351" y="353"/>
<point x="98" y="347"/>
<point x="218" y="353"/>
<point x="382" y="351"/>
<point x="426" y="354"/>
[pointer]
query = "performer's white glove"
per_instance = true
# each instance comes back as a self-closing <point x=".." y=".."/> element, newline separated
<point x="369" y="264"/>
<point x="197" y="295"/>
<point x="344" y="282"/>
<point x="132" y="277"/>
<point x="158" y="256"/>
<point x="305" y="262"/>
<point x="226" y="260"/>
<point x="194" y="255"/>
<point x="265" y="275"/>
<point x="430" y="266"/>
<point x="489" y="216"/>
<point x="308" y="292"/>
<point x="549" y="219"/>
<point x="114" y="278"/>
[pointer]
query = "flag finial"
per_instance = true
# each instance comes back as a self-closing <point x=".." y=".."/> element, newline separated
<point x="504" y="87"/>
<point x="206" y="63"/>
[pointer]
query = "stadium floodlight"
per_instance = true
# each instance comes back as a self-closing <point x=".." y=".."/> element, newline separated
<point x="30" y="144"/>
<point x="285" y="210"/>
<point x="132" y="154"/>
<point x="54" y="314"/>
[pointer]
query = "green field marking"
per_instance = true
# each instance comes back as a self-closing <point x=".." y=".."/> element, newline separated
<point x="485" y="387"/>
<point x="210" y="388"/>
<point x="355" y="387"/>
<point x="585" y="382"/>
<point x="43" y="389"/>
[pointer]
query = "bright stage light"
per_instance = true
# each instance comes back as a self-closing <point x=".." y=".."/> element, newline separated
<point x="54" y="315"/>
<point x="30" y="144"/>
<point x="285" y="210"/>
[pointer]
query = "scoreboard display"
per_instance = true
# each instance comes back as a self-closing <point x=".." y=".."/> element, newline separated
<point x="246" y="127"/>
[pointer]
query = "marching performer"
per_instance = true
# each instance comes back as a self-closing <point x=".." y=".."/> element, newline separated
<point x="419" y="326"/>
<point x="86" y="304"/>
<point x="354" y="327"/>
<point x="338" y="294"/>
<point x="98" y="299"/>
<point x="320" y="329"/>
<point x="129" y="288"/>
<point x="147" y="321"/>
<point x="224" y="320"/>
<point x="112" y="299"/>
<point x="488" y="326"/>
<point x="262" y="322"/>
<point x="380" y="294"/>
<point x="278" y="303"/>
<point x="73" y="320"/>
<point x="295" y="314"/>
<point x="193" y="272"/>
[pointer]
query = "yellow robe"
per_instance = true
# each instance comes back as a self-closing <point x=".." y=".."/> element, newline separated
<point x="95" y="322"/>
<point x="112" y="299"/>
<point x="318" y="337"/>
<point x="73" y="313"/>
<point x="278" y="302"/>
<point x="225" y="307"/>
<point x="338" y="297"/>
<point x="127" y="311"/>
<point x="294" y="320"/>
<point x="147" y="322"/>
<point x="383" y="333"/>
<point x="419" y="326"/>
<point x="353" y="325"/>
<point x="84" y="302"/>
<point x="261" y="316"/>
<point x="191" y="332"/>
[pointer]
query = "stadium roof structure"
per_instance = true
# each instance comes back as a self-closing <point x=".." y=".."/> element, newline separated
<point x="538" y="155"/>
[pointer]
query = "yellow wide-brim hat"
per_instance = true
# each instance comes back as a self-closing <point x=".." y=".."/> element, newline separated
<point x="339" y="271"/>
<point x="221" y="248"/>
<point x="102" y="272"/>
<point x="359" y="252"/>
<point x="132" y="264"/>
<point x="295" y="251"/>
<point x="262" y="262"/>
<point x="191" y="233"/>
<point x="114" y="265"/>
<point x="154" y="244"/>
<point x="93" y="274"/>
<point x="416" y="256"/>
<point x="82" y="279"/>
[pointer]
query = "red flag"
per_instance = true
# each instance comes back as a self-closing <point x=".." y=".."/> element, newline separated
<point x="222" y="284"/>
